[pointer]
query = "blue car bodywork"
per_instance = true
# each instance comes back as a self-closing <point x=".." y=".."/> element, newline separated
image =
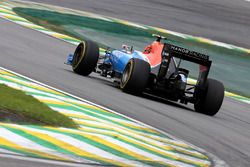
<point x="118" y="59"/>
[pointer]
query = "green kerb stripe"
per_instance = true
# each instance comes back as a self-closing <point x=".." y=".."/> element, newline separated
<point x="48" y="144"/>
<point x="117" y="123"/>
<point x="28" y="86"/>
<point x="118" y="153"/>
<point x="116" y="135"/>
<point x="21" y="151"/>
<point x="84" y="107"/>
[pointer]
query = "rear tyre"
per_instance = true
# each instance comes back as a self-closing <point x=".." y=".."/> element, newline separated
<point x="211" y="100"/>
<point x="135" y="76"/>
<point x="85" y="58"/>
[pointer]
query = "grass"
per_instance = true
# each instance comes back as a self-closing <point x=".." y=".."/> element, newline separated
<point x="30" y="110"/>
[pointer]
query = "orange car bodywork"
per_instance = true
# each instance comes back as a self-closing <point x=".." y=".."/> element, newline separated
<point x="153" y="53"/>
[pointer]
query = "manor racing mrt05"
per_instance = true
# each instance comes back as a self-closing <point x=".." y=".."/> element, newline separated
<point x="155" y="71"/>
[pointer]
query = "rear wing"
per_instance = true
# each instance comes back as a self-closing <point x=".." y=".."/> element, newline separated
<point x="170" y="51"/>
<point x="185" y="54"/>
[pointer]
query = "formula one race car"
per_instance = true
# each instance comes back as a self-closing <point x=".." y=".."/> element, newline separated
<point x="156" y="71"/>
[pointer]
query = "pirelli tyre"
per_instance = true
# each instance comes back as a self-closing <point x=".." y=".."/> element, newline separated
<point x="211" y="100"/>
<point x="85" y="58"/>
<point x="135" y="76"/>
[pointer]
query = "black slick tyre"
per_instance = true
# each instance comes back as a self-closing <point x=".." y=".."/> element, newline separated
<point x="85" y="58"/>
<point x="135" y="76"/>
<point x="211" y="100"/>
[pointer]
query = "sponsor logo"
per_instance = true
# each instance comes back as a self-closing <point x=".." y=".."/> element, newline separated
<point x="188" y="52"/>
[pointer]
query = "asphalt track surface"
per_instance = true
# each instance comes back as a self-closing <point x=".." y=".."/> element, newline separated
<point x="41" y="57"/>
<point x="19" y="161"/>
<point x="222" y="20"/>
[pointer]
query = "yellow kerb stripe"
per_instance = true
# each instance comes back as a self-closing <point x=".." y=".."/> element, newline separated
<point x="91" y="124"/>
<point x="159" y="151"/>
<point x="94" y="108"/>
<point x="165" y="140"/>
<point x="129" y="152"/>
<point x="11" y="17"/>
<point x="102" y="49"/>
<point x="233" y="95"/>
<point x="136" y="127"/>
<point x="95" y="138"/>
<point x="87" y="124"/>
<point x="6" y="10"/>
<point x="8" y="143"/>
<point x="205" y="40"/>
<point x="78" y="116"/>
<point x="69" y="147"/>
<point x="121" y="122"/>
<point x="115" y="129"/>
<point x="33" y="86"/>
<point x="109" y="144"/>
<point x="2" y="72"/>
<point x="34" y="26"/>
<point x="127" y="124"/>
<point x="54" y="102"/>
<point x="63" y="36"/>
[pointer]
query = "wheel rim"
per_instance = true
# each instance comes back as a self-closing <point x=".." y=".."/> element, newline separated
<point x="79" y="54"/>
<point x="126" y="74"/>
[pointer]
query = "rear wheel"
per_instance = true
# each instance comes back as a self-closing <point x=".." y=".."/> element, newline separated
<point x="211" y="100"/>
<point x="135" y="76"/>
<point x="85" y="58"/>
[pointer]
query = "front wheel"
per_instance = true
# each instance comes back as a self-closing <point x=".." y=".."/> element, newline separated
<point x="135" y="76"/>
<point x="211" y="100"/>
<point x="85" y="58"/>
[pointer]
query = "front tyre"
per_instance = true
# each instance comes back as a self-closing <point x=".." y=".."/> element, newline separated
<point x="135" y="76"/>
<point x="85" y="58"/>
<point x="211" y="101"/>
